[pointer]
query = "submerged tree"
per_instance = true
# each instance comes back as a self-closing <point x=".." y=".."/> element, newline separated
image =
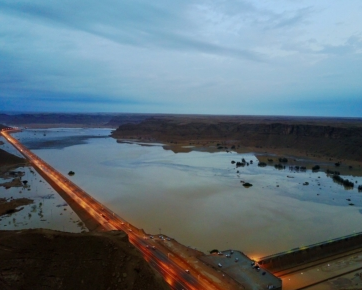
<point x="344" y="182"/>
<point x="315" y="168"/>
<point x="279" y="166"/>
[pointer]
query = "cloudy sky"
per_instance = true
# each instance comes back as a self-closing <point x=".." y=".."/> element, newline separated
<point x="281" y="57"/>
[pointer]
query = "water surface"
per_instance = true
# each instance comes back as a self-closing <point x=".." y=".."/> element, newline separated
<point x="197" y="197"/>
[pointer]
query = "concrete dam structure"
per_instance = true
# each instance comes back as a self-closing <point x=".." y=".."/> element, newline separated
<point x="283" y="261"/>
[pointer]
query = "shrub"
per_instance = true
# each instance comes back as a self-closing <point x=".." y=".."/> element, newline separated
<point x="247" y="184"/>
<point x="279" y="166"/>
<point x="315" y="168"/>
<point x="344" y="182"/>
<point x="333" y="172"/>
<point x="238" y="164"/>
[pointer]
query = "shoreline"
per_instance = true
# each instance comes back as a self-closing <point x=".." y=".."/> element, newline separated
<point x="70" y="126"/>
<point x="295" y="156"/>
<point x="12" y="205"/>
<point x="315" y="138"/>
<point x="210" y="145"/>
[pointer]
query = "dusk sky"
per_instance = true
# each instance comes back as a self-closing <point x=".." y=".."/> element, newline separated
<point x="285" y="57"/>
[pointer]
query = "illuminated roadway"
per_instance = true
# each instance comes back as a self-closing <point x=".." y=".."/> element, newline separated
<point x="173" y="270"/>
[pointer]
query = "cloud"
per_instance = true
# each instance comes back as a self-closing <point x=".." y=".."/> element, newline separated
<point x="217" y="55"/>
<point x="351" y="46"/>
<point x="136" y="23"/>
<point x="289" y="19"/>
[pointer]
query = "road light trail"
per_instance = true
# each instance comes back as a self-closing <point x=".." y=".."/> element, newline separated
<point x="173" y="270"/>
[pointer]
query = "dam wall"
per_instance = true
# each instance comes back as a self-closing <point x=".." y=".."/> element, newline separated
<point x="311" y="254"/>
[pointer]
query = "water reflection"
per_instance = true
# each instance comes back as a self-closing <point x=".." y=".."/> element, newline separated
<point x="198" y="198"/>
<point x="44" y="212"/>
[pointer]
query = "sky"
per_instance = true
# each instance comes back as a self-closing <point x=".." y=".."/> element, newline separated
<point x="241" y="57"/>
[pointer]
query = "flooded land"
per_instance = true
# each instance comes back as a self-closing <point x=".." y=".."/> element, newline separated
<point x="46" y="208"/>
<point x="199" y="198"/>
<point x="27" y="201"/>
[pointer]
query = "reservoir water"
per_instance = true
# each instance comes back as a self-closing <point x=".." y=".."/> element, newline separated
<point x="197" y="197"/>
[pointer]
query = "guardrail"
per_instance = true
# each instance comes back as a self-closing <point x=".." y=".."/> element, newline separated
<point x="310" y="246"/>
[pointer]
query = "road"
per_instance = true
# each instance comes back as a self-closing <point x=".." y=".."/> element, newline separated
<point x="327" y="270"/>
<point x="171" y="267"/>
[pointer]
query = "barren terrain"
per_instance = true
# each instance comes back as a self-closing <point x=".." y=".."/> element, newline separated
<point x="9" y="161"/>
<point x="45" y="259"/>
<point x="63" y="260"/>
<point x="336" y="139"/>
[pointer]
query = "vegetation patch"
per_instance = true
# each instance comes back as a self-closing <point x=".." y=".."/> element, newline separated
<point x="333" y="172"/>
<point x="344" y="182"/>
<point x="279" y="166"/>
<point x="316" y="168"/>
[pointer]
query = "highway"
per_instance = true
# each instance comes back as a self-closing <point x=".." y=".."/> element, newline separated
<point x="314" y="275"/>
<point x="173" y="268"/>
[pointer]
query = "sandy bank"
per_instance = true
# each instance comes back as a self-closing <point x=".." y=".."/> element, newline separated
<point x="9" y="161"/>
<point x="9" y="206"/>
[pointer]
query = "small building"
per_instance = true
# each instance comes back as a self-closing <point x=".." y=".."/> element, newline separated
<point x="243" y="270"/>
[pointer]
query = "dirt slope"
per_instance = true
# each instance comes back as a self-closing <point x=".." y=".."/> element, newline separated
<point x="10" y="159"/>
<point x="45" y="259"/>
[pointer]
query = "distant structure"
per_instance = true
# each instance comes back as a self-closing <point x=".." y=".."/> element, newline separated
<point x="243" y="270"/>
<point x="312" y="253"/>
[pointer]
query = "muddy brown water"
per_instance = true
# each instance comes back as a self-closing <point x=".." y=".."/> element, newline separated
<point x="198" y="197"/>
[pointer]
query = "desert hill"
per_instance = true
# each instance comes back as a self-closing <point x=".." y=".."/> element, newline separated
<point x="56" y="120"/>
<point x="337" y="138"/>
